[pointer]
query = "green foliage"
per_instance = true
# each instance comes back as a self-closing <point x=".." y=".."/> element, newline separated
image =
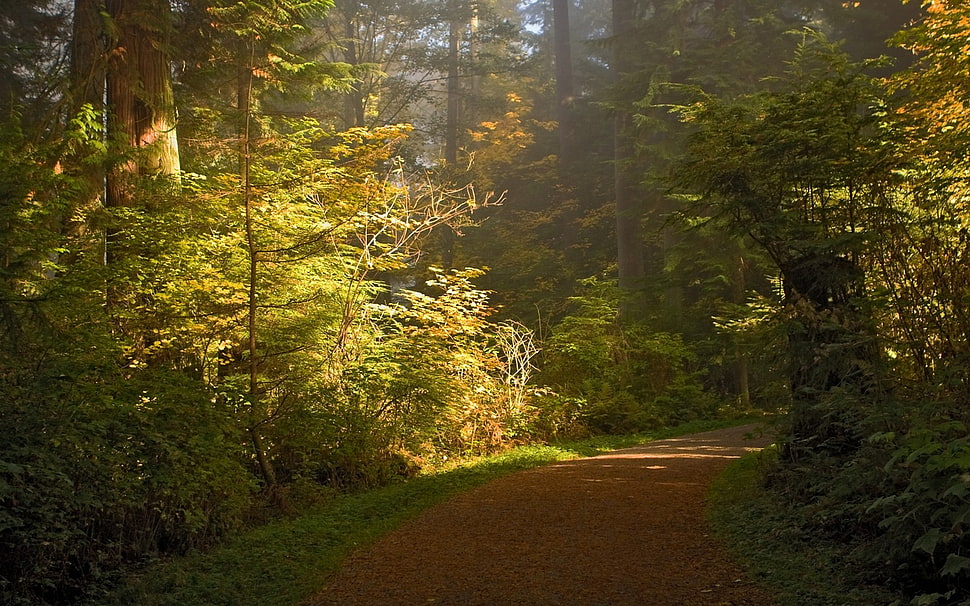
<point x="296" y="556"/>
<point x="798" y="566"/>
<point x="137" y="415"/>
<point x="102" y="468"/>
<point x="892" y="516"/>
<point x="129" y="426"/>
<point x="882" y="467"/>
<point x="620" y="378"/>
<point x="480" y="370"/>
<point x="923" y="522"/>
<point x="800" y="170"/>
<point x="287" y="561"/>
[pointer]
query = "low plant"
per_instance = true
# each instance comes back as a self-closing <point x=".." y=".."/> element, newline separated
<point x="776" y="547"/>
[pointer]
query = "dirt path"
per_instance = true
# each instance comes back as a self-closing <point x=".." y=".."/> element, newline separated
<point x="626" y="528"/>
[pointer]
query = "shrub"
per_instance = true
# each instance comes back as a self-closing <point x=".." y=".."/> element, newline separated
<point x="100" y="470"/>
<point x="624" y="377"/>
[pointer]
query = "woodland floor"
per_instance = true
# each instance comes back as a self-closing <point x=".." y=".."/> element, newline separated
<point x="625" y="528"/>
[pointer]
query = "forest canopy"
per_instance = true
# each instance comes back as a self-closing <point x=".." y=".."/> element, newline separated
<point x="256" y="253"/>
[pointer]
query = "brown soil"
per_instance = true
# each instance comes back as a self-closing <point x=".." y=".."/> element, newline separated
<point x="625" y="528"/>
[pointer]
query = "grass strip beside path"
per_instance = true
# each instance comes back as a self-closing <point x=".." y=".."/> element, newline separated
<point x="285" y="562"/>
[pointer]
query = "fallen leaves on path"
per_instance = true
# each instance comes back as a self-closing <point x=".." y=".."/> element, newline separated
<point x="625" y="528"/>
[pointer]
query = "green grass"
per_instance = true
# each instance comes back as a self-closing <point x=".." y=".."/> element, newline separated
<point x="285" y="562"/>
<point x="768" y="540"/>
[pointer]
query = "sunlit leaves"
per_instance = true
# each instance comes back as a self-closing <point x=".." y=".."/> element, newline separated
<point x="937" y="83"/>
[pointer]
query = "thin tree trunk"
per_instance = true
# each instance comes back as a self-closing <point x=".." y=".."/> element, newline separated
<point x="473" y="50"/>
<point x="629" y="236"/>
<point x="354" y="100"/>
<point x="454" y="92"/>
<point x="244" y="103"/>
<point x="742" y="368"/>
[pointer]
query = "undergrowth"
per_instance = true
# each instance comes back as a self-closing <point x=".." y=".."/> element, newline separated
<point x="285" y="562"/>
<point x="775" y="547"/>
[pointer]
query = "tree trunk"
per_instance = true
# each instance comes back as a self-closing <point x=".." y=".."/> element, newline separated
<point x="87" y="55"/>
<point x="741" y="357"/>
<point x="629" y="211"/>
<point x="140" y="102"/>
<point x="564" y="81"/>
<point x="447" y="234"/>
<point x="244" y="102"/>
<point x="87" y="89"/>
<point x="140" y="97"/>
<point x="454" y="92"/>
<point x="475" y="79"/>
<point x="265" y="465"/>
<point x="831" y="348"/>
<point x="354" y="100"/>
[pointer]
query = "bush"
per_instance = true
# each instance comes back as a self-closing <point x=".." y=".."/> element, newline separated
<point x="100" y="471"/>
<point x="900" y="500"/>
<point x="624" y="377"/>
<point x="924" y="515"/>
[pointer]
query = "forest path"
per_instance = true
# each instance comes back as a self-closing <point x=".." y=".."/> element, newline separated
<point x="624" y="528"/>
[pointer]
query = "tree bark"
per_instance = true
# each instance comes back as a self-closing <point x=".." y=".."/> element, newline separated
<point x="454" y="92"/>
<point x="354" y="100"/>
<point x="447" y="234"/>
<point x="629" y="211"/>
<point x="475" y="79"/>
<point x="87" y="55"/>
<point x="741" y="357"/>
<point x="564" y="81"/>
<point x="87" y="88"/>
<point x="832" y="347"/>
<point x="140" y="98"/>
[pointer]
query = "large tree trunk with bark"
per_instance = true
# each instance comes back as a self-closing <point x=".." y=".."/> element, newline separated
<point x="87" y="55"/>
<point x="141" y="104"/>
<point x="86" y="89"/>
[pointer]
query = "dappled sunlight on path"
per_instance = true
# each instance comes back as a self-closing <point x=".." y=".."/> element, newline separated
<point x="625" y="528"/>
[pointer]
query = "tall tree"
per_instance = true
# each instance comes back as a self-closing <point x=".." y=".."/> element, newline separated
<point x="260" y="36"/>
<point x="454" y="88"/>
<point x="926" y="269"/>
<point x="564" y="80"/>
<point x="385" y="44"/>
<point x="32" y="59"/>
<point x="806" y="173"/>
<point x="629" y="208"/>
<point x="141" y="103"/>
